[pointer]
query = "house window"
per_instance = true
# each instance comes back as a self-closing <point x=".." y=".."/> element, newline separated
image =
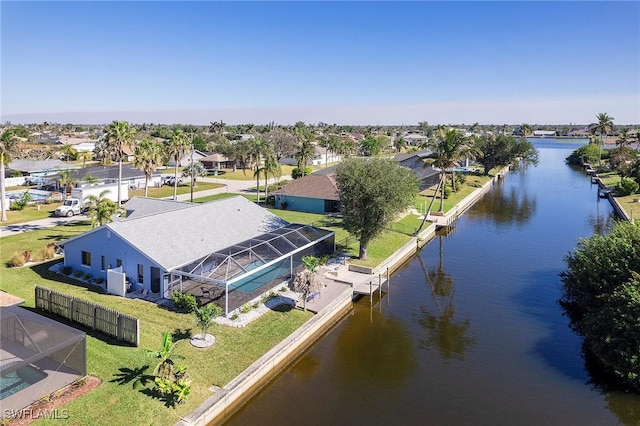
<point x="118" y="263"/>
<point x="86" y="258"/>
<point x="140" y="273"/>
<point x="103" y="263"/>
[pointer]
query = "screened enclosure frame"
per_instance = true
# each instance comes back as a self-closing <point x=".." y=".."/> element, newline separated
<point x="45" y="347"/>
<point x="237" y="262"/>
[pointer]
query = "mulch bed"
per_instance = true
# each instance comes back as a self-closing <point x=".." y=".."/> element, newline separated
<point x="46" y="408"/>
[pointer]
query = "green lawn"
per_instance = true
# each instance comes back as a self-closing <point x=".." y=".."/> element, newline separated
<point x="30" y="213"/>
<point x="167" y="191"/>
<point x="234" y="350"/>
<point x="472" y="183"/>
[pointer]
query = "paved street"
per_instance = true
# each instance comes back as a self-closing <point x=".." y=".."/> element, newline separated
<point x="233" y="186"/>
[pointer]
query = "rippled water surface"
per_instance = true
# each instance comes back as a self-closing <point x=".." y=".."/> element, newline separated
<point x="470" y="331"/>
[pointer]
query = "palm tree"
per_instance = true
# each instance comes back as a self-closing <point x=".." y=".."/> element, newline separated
<point x="66" y="179"/>
<point x="306" y="281"/>
<point x="526" y="129"/>
<point x="178" y="145"/>
<point x="258" y="150"/>
<point x="148" y="156"/>
<point x="101" y="209"/>
<point x="68" y="151"/>
<point x="623" y="138"/>
<point x="9" y="145"/>
<point x="271" y="167"/>
<point x="304" y="154"/>
<point x="118" y="135"/>
<point x="448" y="149"/>
<point x="84" y="156"/>
<point x="603" y="127"/>
<point x="102" y="151"/>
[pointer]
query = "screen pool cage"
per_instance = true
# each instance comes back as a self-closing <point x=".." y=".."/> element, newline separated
<point x="38" y="356"/>
<point x="242" y="272"/>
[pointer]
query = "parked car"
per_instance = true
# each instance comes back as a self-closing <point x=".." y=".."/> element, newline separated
<point x="170" y="180"/>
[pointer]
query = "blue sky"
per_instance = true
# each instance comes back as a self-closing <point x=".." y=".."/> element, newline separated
<point x="337" y="62"/>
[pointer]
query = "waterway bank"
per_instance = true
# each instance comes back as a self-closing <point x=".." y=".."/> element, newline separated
<point x="228" y="399"/>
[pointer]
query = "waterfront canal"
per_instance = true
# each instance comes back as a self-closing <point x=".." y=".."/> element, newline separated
<point x="471" y="331"/>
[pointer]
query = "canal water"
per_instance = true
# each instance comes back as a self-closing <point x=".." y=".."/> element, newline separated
<point x="471" y="331"/>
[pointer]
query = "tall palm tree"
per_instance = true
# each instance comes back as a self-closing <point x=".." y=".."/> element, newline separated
<point x="102" y="151"/>
<point x="258" y="150"/>
<point x="148" y="157"/>
<point x="118" y="135"/>
<point x="270" y="167"/>
<point x="177" y="146"/>
<point x="526" y="129"/>
<point x="603" y="127"/>
<point x="623" y="138"/>
<point x="449" y="148"/>
<point x="304" y="154"/>
<point x="9" y="146"/>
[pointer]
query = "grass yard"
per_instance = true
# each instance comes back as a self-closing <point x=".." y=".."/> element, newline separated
<point x="119" y="403"/>
<point x="31" y="213"/>
<point x="472" y="183"/>
<point x="247" y="174"/>
<point x="167" y="191"/>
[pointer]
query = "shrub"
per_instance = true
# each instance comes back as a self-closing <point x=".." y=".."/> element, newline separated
<point x="87" y="277"/>
<point x="78" y="274"/>
<point x="47" y="253"/>
<point x="255" y="305"/>
<point x="67" y="270"/>
<point x="234" y="316"/>
<point x="284" y="205"/>
<point x="99" y="280"/>
<point x="16" y="260"/>
<point x="627" y="187"/>
<point x="296" y="173"/>
<point x="246" y="308"/>
<point x="184" y="302"/>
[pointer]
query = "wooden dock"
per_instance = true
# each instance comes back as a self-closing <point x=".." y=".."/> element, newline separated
<point x="362" y="284"/>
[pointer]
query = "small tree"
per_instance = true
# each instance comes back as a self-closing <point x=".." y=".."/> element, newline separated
<point x="306" y="281"/>
<point x="203" y="316"/>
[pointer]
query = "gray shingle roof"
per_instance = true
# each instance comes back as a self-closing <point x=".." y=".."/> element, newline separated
<point x="312" y="186"/>
<point x="141" y="206"/>
<point x="32" y="166"/>
<point x="177" y="237"/>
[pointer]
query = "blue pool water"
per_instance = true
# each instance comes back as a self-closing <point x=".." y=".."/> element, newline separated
<point x="261" y="278"/>
<point x="18" y="380"/>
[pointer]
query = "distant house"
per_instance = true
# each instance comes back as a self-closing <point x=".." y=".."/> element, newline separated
<point x="321" y="157"/>
<point x="109" y="174"/>
<point x="544" y="133"/>
<point x="216" y="162"/>
<point x="186" y="158"/>
<point x="229" y="245"/>
<point x="415" y="161"/>
<point x="415" y="138"/>
<point x="315" y="193"/>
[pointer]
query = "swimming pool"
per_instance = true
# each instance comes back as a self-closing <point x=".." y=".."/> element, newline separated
<point x="20" y="379"/>
<point x="261" y="278"/>
<point x="36" y="194"/>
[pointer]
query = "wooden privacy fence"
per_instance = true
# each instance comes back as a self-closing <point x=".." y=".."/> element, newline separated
<point x="104" y="320"/>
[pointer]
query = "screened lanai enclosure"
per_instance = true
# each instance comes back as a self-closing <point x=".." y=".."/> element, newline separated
<point x="243" y="272"/>
<point x="38" y="356"/>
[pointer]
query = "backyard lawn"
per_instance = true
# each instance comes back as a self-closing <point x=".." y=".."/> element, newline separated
<point x="119" y="402"/>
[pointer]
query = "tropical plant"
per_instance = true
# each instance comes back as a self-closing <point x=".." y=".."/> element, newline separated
<point x="69" y="152"/>
<point x="502" y="150"/>
<point x="372" y="193"/>
<point x="270" y="167"/>
<point x="118" y="135"/>
<point x="203" y="315"/>
<point x="23" y="201"/>
<point x="9" y="146"/>
<point x="526" y="129"/>
<point x="257" y="151"/>
<point x="603" y="127"/>
<point x="194" y="171"/>
<point x="177" y="146"/>
<point x="103" y="151"/>
<point x="306" y="281"/>
<point x="100" y="209"/>
<point x="165" y="356"/>
<point x="184" y="302"/>
<point x="66" y="178"/>
<point x="147" y="157"/>
<point x="84" y="156"/>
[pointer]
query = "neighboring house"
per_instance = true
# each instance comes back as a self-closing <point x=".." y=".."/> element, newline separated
<point x="216" y="162"/>
<point x="321" y="157"/>
<point x="44" y="137"/>
<point x="109" y="174"/>
<point x="544" y="133"/>
<point x="186" y="158"/>
<point x="415" y="161"/>
<point x="230" y="244"/>
<point x="415" y="139"/>
<point x="315" y="193"/>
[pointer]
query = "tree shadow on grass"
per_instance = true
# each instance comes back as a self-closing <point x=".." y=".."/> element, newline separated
<point x="136" y="376"/>
<point x="179" y="334"/>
